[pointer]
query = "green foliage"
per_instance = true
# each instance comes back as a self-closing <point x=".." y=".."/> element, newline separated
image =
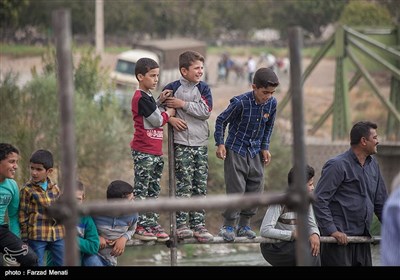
<point x="277" y="170"/>
<point x="102" y="143"/>
<point x="33" y="119"/>
<point x="393" y="7"/>
<point x="10" y="104"/>
<point x="190" y="250"/>
<point x="362" y="13"/>
<point x="216" y="180"/>
<point x="48" y="59"/>
<point x="117" y="49"/>
<point x="32" y="122"/>
<point x="376" y="226"/>
<point x="39" y="12"/>
<point x="312" y="16"/>
<point x="202" y="19"/>
<point x="18" y="51"/>
<point x="89" y="77"/>
<point x="10" y="12"/>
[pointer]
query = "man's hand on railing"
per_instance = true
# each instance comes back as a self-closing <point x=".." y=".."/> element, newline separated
<point x="340" y="237"/>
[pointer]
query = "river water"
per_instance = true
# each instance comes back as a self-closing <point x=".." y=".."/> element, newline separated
<point x="205" y="255"/>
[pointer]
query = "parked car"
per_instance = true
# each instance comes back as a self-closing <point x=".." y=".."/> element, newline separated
<point x="165" y="52"/>
<point x="124" y="72"/>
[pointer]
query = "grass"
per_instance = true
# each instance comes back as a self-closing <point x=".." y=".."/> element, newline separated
<point x="19" y="51"/>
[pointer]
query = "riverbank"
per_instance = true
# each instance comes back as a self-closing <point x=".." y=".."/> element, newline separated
<point x="205" y="255"/>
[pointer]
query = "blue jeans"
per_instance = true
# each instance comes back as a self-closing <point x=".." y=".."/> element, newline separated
<point x="94" y="260"/>
<point x="55" y="248"/>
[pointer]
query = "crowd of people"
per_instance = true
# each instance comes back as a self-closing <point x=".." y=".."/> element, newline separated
<point x="245" y="71"/>
<point x="350" y="191"/>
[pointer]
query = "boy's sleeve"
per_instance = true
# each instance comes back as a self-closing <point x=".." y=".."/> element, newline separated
<point x="266" y="140"/>
<point x="90" y="243"/>
<point x="201" y="109"/>
<point x="12" y="210"/>
<point x="223" y="119"/>
<point x="23" y="213"/>
<point x="149" y="110"/>
<point x="131" y="230"/>
<point x="169" y="86"/>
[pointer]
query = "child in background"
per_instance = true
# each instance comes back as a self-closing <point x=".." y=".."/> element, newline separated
<point x="37" y="228"/>
<point x="114" y="232"/>
<point x="280" y="223"/>
<point x="88" y="238"/>
<point x="146" y="145"/>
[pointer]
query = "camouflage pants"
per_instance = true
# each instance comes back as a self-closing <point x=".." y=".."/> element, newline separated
<point x="191" y="171"/>
<point x="147" y="171"/>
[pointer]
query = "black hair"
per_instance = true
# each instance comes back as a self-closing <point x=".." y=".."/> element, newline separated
<point x="265" y="77"/>
<point x="118" y="189"/>
<point x="43" y="157"/>
<point x="80" y="186"/>
<point x="144" y="65"/>
<point x="360" y="130"/>
<point x="6" y="149"/>
<point x="309" y="171"/>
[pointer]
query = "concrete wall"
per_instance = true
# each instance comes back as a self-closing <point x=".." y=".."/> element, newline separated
<point x="389" y="161"/>
<point x="388" y="157"/>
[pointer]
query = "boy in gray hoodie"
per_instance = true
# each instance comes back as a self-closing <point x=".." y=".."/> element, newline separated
<point x="192" y="101"/>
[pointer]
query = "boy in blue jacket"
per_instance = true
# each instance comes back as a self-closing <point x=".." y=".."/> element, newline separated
<point x="114" y="232"/>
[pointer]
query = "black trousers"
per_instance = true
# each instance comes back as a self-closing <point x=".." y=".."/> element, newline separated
<point x="353" y="254"/>
<point x="13" y="249"/>
<point x="284" y="254"/>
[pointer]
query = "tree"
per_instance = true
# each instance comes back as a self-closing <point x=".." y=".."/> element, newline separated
<point x="30" y="120"/>
<point x="313" y="16"/>
<point x="361" y="13"/>
<point x="393" y="7"/>
<point x="201" y="19"/>
<point x="10" y="12"/>
<point x="38" y="13"/>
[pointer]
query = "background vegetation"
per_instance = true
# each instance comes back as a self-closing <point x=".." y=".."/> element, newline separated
<point x="30" y="115"/>
<point x="213" y="21"/>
